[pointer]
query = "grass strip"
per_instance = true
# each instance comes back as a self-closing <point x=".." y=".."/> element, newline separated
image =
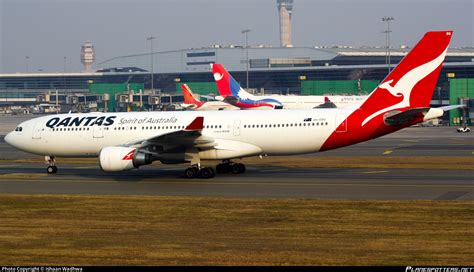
<point x="139" y="230"/>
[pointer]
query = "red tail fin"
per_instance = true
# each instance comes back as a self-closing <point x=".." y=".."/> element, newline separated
<point x="188" y="96"/>
<point x="412" y="82"/>
<point x="409" y="86"/>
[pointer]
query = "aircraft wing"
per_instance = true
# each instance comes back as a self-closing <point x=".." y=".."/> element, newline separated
<point x="209" y="98"/>
<point x="188" y="106"/>
<point x="189" y="137"/>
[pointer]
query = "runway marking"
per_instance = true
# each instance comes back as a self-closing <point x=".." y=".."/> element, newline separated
<point x="262" y="183"/>
<point x="374" y="172"/>
<point x="21" y="175"/>
<point x="7" y="165"/>
<point x="274" y="170"/>
<point x="387" y="152"/>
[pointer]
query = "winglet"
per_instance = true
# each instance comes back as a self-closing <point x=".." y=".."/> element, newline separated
<point x="196" y="124"/>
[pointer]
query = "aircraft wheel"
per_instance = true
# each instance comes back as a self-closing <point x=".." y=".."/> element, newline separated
<point x="238" y="168"/>
<point x="52" y="170"/>
<point x="242" y="168"/>
<point x="223" y="168"/>
<point x="190" y="172"/>
<point x="206" y="173"/>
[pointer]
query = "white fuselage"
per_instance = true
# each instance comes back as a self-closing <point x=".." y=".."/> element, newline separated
<point x="280" y="132"/>
<point x="211" y="106"/>
<point x="311" y="101"/>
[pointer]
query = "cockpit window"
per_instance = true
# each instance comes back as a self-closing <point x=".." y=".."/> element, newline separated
<point x="19" y="129"/>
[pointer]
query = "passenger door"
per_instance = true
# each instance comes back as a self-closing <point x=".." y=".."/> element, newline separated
<point x="98" y="132"/>
<point x="38" y="128"/>
<point x="341" y="123"/>
<point x="236" y="127"/>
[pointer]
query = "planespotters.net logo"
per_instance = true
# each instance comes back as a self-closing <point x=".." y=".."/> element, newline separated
<point x="439" y="269"/>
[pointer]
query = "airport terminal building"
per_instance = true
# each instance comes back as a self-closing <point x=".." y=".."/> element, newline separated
<point x="282" y="70"/>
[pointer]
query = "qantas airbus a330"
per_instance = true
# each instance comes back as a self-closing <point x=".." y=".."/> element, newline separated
<point x="125" y="141"/>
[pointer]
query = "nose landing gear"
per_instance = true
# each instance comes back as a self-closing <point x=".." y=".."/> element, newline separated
<point x="51" y="161"/>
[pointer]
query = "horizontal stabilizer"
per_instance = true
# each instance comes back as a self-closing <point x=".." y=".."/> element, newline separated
<point x="452" y="107"/>
<point x="397" y="118"/>
<point x="231" y="100"/>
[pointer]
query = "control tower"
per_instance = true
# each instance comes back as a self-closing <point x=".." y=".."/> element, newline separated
<point x="284" y="9"/>
<point x="87" y="56"/>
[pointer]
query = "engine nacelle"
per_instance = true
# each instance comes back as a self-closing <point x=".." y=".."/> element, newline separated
<point x="118" y="158"/>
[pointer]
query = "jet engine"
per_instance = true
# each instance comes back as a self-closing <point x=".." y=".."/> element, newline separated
<point x="118" y="158"/>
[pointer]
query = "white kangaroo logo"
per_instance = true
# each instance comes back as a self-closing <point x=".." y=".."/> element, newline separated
<point x="405" y="85"/>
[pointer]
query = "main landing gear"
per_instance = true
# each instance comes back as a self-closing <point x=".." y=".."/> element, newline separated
<point x="196" y="172"/>
<point x="51" y="161"/>
<point x="230" y="167"/>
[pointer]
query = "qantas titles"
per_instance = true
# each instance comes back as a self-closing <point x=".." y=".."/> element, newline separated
<point x="78" y="121"/>
<point x="105" y="121"/>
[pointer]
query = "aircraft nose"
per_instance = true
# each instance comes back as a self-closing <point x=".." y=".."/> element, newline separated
<point x="8" y="138"/>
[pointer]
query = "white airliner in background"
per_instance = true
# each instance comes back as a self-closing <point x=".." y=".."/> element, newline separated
<point x="191" y="103"/>
<point x="125" y="141"/>
<point x="231" y="92"/>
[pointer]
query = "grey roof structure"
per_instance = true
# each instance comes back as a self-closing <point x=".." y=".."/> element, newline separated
<point x="233" y="57"/>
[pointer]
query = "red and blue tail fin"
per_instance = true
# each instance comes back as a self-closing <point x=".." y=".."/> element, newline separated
<point x="226" y="84"/>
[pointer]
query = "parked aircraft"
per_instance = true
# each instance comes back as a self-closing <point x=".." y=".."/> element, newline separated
<point x="190" y="102"/>
<point x="231" y="92"/>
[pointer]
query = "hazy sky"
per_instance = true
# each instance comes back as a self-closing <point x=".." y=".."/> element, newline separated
<point x="49" y="30"/>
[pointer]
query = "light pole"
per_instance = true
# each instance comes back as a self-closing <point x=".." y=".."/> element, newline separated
<point x="27" y="59"/>
<point x="246" y="32"/>
<point x="65" y="59"/>
<point x="65" y="86"/>
<point x="387" y="39"/>
<point x="151" y="38"/>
